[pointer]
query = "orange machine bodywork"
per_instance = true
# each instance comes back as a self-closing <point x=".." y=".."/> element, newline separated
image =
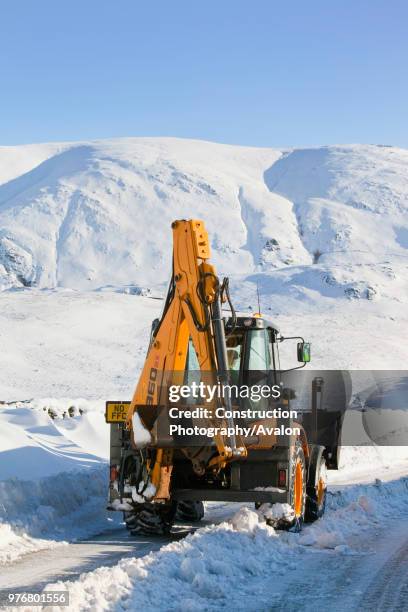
<point x="168" y="349"/>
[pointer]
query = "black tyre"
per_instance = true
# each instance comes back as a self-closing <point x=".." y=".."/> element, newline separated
<point x="293" y="520"/>
<point x="151" y="519"/>
<point x="297" y="494"/>
<point x="129" y="518"/>
<point x="316" y="492"/>
<point x="191" y="511"/>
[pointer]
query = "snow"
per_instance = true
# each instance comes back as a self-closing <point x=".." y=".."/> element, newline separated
<point x="232" y="563"/>
<point x="276" y="512"/>
<point x="34" y="444"/>
<point x="100" y="212"/>
<point x="53" y="474"/>
<point x="88" y="226"/>
<point x="14" y="545"/>
<point x="72" y="344"/>
<point x="85" y="205"/>
<point x="85" y="248"/>
<point x="141" y="434"/>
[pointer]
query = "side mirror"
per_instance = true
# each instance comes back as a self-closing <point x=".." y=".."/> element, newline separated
<point x="303" y="352"/>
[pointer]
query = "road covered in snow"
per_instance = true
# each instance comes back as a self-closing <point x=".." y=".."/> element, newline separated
<point x="235" y="560"/>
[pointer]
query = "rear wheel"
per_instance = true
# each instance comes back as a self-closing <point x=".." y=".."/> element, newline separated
<point x="316" y="488"/>
<point x="128" y="517"/>
<point x="191" y="511"/>
<point x="290" y="516"/>
<point x="151" y="519"/>
<point x="297" y="494"/>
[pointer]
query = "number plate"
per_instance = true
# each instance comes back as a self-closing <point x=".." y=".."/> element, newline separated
<point x="116" y="412"/>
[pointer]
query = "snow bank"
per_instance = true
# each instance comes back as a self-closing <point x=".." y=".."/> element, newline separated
<point x="43" y="513"/>
<point x="353" y="509"/>
<point x="50" y="506"/>
<point x="35" y="445"/>
<point x="53" y="474"/>
<point x="224" y="565"/>
<point x="14" y="545"/>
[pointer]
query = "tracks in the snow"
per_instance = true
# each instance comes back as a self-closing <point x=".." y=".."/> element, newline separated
<point x="388" y="590"/>
<point x="67" y="562"/>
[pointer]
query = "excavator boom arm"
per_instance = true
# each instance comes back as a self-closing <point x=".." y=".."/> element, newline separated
<point x="192" y="311"/>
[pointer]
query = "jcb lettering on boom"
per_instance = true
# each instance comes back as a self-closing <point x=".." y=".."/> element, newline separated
<point x="151" y="386"/>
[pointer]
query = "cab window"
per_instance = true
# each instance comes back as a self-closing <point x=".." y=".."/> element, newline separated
<point x="259" y="358"/>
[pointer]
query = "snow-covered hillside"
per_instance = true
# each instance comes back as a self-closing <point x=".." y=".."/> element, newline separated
<point x="331" y="220"/>
<point x="86" y="226"/>
<point x="92" y="214"/>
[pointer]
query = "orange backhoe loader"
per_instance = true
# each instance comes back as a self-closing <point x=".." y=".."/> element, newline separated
<point x="194" y="430"/>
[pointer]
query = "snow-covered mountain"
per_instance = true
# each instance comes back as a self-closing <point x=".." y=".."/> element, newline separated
<point x="329" y="221"/>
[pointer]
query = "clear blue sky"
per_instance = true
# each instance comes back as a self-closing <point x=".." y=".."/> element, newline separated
<point x="259" y="72"/>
